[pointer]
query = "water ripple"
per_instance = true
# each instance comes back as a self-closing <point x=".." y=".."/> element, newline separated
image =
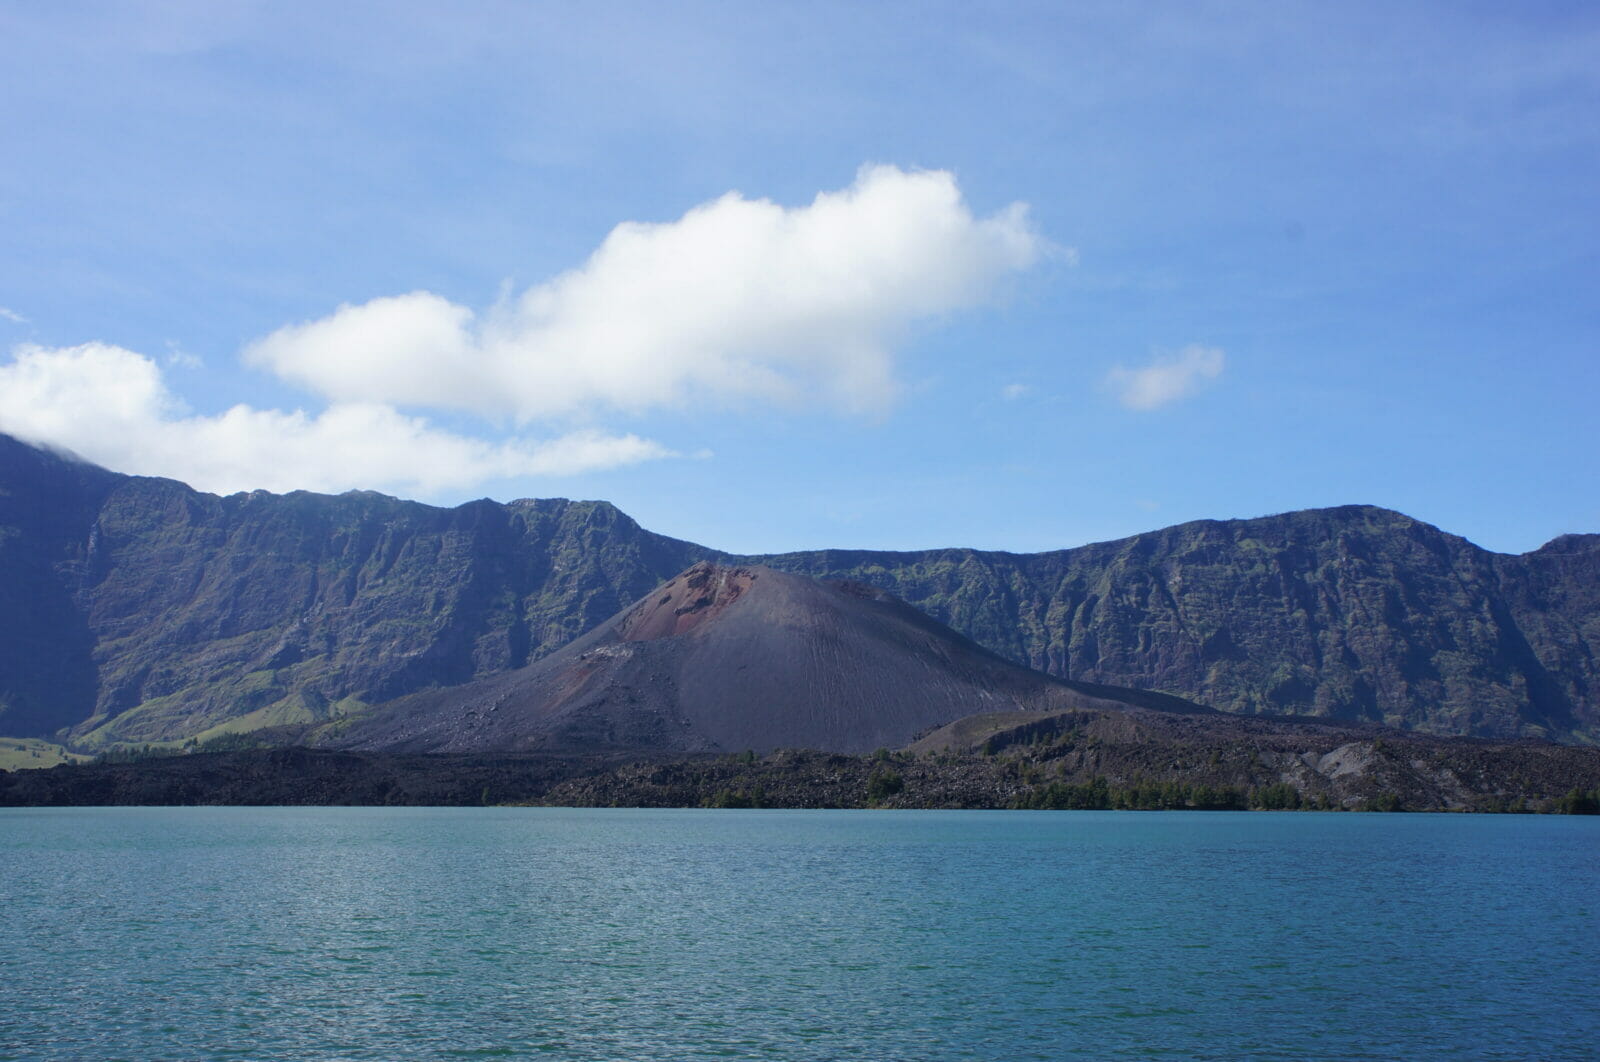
<point x="376" y="934"/>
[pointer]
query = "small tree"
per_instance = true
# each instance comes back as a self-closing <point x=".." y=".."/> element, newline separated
<point x="1578" y="802"/>
<point x="884" y="783"/>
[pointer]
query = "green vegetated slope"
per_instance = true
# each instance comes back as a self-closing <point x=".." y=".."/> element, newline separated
<point x="139" y="610"/>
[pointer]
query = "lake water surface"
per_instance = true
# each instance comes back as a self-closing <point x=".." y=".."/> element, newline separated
<point x="366" y="933"/>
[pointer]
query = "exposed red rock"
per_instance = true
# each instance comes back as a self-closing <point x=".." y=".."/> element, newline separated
<point x="700" y="594"/>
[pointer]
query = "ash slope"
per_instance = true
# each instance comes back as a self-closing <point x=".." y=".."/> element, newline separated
<point x="732" y="658"/>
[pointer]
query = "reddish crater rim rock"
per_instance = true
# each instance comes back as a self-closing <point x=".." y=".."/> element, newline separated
<point x="699" y="594"/>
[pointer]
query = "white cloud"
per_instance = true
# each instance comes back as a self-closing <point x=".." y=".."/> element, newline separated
<point x="13" y="316"/>
<point x="1166" y="379"/>
<point x="112" y="406"/>
<point x="1013" y="391"/>
<point x="738" y="300"/>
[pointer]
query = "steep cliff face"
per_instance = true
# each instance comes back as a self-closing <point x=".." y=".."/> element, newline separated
<point x="160" y="612"/>
<point x="137" y="609"/>
<point x="1552" y="597"/>
<point x="48" y="671"/>
<point x="1353" y="613"/>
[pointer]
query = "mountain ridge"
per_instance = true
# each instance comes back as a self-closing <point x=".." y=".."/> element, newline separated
<point x="135" y="609"/>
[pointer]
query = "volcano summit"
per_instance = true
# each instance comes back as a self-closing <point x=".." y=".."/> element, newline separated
<point x="722" y="659"/>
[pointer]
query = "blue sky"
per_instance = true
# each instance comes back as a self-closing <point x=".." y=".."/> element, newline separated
<point x="787" y="276"/>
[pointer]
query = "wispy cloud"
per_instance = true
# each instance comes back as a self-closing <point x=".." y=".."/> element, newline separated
<point x="1013" y="391"/>
<point x="739" y="300"/>
<point x="113" y="406"/>
<point x="1167" y="379"/>
<point x="13" y="316"/>
<point x="178" y="358"/>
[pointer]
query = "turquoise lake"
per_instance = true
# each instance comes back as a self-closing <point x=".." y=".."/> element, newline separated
<point x="368" y="933"/>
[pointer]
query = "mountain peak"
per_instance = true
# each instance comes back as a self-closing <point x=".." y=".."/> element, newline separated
<point x="1563" y="544"/>
<point x="725" y="658"/>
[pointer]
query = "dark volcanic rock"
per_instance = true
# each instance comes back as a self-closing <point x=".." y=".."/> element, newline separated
<point x="290" y="776"/>
<point x="1077" y="758"/>
<point x="1123" y="759"/>
<point x="730" y="658"/>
